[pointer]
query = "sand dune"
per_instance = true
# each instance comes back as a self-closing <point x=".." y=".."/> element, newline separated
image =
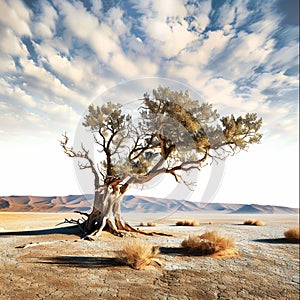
<point x="46" y="204"/>
<point x="131" y="203"/>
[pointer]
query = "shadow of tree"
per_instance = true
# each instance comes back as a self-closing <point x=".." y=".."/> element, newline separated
<point x="83" y="261"/>
<point x="276" y="241"/>
<point x="69" y="230"/>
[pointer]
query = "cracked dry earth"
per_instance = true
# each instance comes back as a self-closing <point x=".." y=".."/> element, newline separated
<point x="59" y="266"/>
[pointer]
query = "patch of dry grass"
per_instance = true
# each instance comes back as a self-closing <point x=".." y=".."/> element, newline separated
<point x="210" y="243"/>
<point x="292" y="234"/>
<point x="254" y="222"/>
<point x="139" y="255"/>
<point x="187" y="223"/>
<point x="151" y="224"/>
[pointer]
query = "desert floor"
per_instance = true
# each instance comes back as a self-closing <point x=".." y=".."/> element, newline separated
<point x="56" y="264"/>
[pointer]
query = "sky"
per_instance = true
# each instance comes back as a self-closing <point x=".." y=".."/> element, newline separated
<point x="58" y="56"/>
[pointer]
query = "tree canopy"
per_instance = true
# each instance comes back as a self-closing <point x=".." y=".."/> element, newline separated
<point x="172" y="133"/>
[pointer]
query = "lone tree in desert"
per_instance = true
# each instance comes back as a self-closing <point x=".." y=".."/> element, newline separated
<point x="173" y="134"/>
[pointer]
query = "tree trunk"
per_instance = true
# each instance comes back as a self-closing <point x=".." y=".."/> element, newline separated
<point x="106" y="215"/>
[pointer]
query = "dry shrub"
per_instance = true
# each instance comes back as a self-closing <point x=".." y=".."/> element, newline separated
<point x="142" y="224"/>
<point x="292" y="234"/>
<point x="179" y="223"/>
<point x="139" y="255"/>
<point x="187" y="223"/>
<point x="228" y="253"/>
<point x="254" y="222"/>
<point x="259" y="223"/>
<point x="151" y="224"/>
<point x="249" y="222"/>
<point x="210" y="242"/>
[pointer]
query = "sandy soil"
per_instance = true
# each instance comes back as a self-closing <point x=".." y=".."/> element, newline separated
<point x="60" y="266"/>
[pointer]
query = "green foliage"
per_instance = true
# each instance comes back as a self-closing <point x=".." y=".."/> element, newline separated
<point x="174" y="133"/>
<point x="242" y="131"/>
<point x="108" y="117"/>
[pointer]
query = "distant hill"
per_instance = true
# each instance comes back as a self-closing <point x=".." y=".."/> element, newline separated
<point x="138" y="204"/>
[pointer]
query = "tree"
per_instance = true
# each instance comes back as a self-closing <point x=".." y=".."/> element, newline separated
<point x="173" y="134"/>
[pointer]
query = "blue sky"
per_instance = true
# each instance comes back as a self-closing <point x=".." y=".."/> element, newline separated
<point x="57" y="56"/>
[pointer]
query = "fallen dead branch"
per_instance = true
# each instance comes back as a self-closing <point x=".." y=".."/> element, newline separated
<point x="39" y="244"/>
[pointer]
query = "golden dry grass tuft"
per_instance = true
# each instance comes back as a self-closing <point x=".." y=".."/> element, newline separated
<point x="151" y="224"/>
<point x="210" y="243"/>
<point x="139" y="255"/>
<point x="142" y="224"/>
<point x="187" y="223"/>
<point x="292" y="234"/>
<point x="259" y="223"/>
<point x="254" y="222"/>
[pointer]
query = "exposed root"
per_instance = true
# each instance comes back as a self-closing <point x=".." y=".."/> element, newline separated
<point x="82" y="213"/>
<point x="79" y="222"/>
<point x="129" y="228"/>
<point x="117" y="227"/>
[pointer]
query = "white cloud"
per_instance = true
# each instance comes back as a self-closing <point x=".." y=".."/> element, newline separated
<point x="17" y="122"/>
<point x="122" y="65"/>
<point x="242" y="13"/>
<point x="46" y="119"/>
<point x="59" y="112"/>
<point x="205" y="53"/>
<point x="114" y="19"/>
<point x="16" y="94"/>
<point x="167" y="41"/>
<point x="146" y="66"/>
<point x="7" y="64"/>
<point x="160" y="9"/>
<point x="16" y="16"/>
<point x="201" y="13"/>
<point x="41" y="81"/>
<point x="45" y="23"/>
<point x="226" y="14"/>
<point x="243" y="55"/>
<point x="96" y="7"/>
<point x="11" y="44"/>
<point x="283" y="58"/>
<point x="276" y="82"/>
<point x="165" y="26"/>
<point x="103" y="39"/>
<point x="48" y="16"/>
<point x="74" y="69"/>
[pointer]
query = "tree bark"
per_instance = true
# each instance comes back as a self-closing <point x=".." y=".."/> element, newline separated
<point x="102" y="216"/>
<point x="106" y="215"/>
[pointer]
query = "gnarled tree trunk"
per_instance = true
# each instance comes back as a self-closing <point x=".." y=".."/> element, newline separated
<point x="106" y="215"/>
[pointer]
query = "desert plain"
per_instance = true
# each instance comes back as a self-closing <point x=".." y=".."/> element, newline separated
<point x="40" y="260"/>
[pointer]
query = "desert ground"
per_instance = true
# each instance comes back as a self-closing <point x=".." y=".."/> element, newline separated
<point x="42" y="261"/>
